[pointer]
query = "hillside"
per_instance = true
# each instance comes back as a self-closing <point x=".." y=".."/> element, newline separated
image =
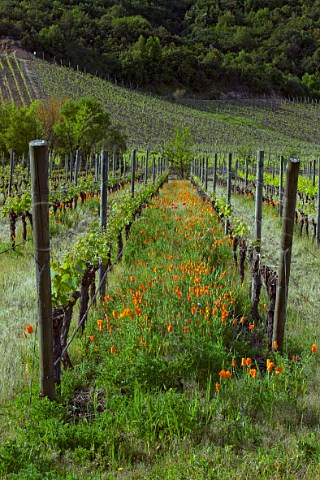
<point x="19" y="81"/>
<point x="205" y="47"/>
<point x="277" y="126"/>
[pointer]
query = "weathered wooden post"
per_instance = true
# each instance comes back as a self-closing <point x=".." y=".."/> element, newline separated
<point x="258" y="203"/>
<point x="229" y="178"/>
<point x="202" y="170"/>
<point x="153" y="169"/>
<point x="318" y="200"/>
<point x="40" y="212"/>
<point x="214" y="179"/>
<point x="96" y="167"/>
<point x="280" y="206"/>
<point x="255" y="260"/>
<point x="103" y="216"/>
<point x="146" y="168"/>
<point x="229" y="183"/>
<point x="290" y="196"/>
<point x="133" y="172"/>
<point x="113" y="164"/>
<point x="206" y="174"/>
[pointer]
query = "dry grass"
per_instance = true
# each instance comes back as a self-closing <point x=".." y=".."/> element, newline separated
<point x="19" y="301"/>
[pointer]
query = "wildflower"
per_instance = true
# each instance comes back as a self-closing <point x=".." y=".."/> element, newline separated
<point x="242" y="320"/>
<point x="29" y="329"/>
<point x="265" y="305"/>
<point x="170" y="328"/>
<point x="233" y="362"/>
<point x="278" y="370"/>
<point x="112" y="350"/>
<point x="243" y="362"/>
<point x="314" y="348"/>
<point x="294" y="358"/>
<point x="275" y="345"/>
<point x="253" y="372"/>
<point x="270" y="365"/>
<point x="131" y="278"/>
<point x="100" y="324"/>
<point x="225" y="374"/>
<point x="218" y="388"/>
<point x="114" y="314"/>
<point x="251" y="326"/>
<point x="248" y="361"/>
<point x="185" y="329"/>
<point x="91" y="338"/>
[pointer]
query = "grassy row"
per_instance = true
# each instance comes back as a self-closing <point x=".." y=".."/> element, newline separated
<point x="172" y="379"/>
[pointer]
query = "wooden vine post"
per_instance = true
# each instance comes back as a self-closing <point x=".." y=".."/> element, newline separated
<point x="133" y="172"/>
<point x="214" y="178"/>
<point x="280" y="207"/>
<point x="258" y="203"/>
<point x="318" y="200"/>
<point x="146" y="168"/>
<point x="103" y="216"/>
<point x="202" y="170"/>
<point x="206" y="174"/>
<point x="246" y="172"/>
<point x="255" y="260"/>
<point x="290" y="197"/>
<point x="40" y="212"/>
<point x="314" y="172"/>
<point x="153" y="169"/>
<point x="96" y="167"/>
<point x="229" y="181"/>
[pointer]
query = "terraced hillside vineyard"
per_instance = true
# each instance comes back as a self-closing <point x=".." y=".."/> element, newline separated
<point x="274" y="126"/>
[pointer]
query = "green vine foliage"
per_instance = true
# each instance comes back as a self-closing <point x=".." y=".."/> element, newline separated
<point x="94" y="247"/>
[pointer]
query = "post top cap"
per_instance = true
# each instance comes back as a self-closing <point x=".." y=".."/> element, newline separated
<point x="37" y="143"/>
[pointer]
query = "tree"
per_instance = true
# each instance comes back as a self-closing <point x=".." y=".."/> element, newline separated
<point x="115" y="141"/>
<point x="83" y="124"/>
<point x="19" y="125"/>
<point x="49" y="114"/>
<point x="178" y="151"/>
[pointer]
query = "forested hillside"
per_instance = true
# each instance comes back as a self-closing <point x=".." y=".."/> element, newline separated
<point x="201" y="46"/>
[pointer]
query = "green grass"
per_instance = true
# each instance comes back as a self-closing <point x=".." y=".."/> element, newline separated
<point x="145" y="399"/>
